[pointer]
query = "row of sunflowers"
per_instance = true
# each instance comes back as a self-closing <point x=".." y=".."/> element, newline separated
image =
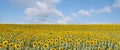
<point x="59" y="37"/>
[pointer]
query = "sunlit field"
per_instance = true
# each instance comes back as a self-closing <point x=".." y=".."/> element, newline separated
<point x="59" y="37"/>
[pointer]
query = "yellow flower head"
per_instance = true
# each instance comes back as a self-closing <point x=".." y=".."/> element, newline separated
<point x="99" y="48"/>
<point x="87" y="42"/>
<point x="5" y="43"/>
<point x="39" y="43"/>
<point x="92" y="42"/>
<point x="75" y="45"/>
<point x="61" y="48"/>
<point x="110" y="48"/>
<point x="21" y="44"/>
<point x="45" y="45"/>
<point x="17" y="46"/>
<point x="1" y="46"/>
<point x="34" y="44"/>
<point x="11" y="45"/>
<point x="119" y="44"/>
<point x="53" y="49"/>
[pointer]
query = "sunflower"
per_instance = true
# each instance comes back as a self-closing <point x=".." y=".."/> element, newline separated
<point x="21" y="44"/>
<point x="110" y="49"/>
<point x="5" y="43"/>
<point x="87" y="42"/>
<point x="119" y="44"/>
<point x="34" y="44"/>
<point x="61" y="44"/>
<point x="1" y="46"/>
<point x="113" y="40"/>
<point x="11" y="44"/>
<point x="68" y="40"/>
<point x="56" y="40"/>
<point x="92" y="42"/>
<point x="17" y="46"/>
<point x="60" y="38"/>
<point x="4" y="40"/>
<point x="39" y="43"/>
<point x="99" y="48"/>
<point x="61" y="48"/>
<point x="53" y="49"/>
<point x="45" y="45"/>
<point x="49" y="43"/>
<point x="75" y="45"/>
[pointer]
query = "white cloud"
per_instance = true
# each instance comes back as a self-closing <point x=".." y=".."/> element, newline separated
<point x="42" y="11"/>
<point x="93" y="11"/>
<point x="74" y="14"/>
<point x="65" y="20"/>
<point x="106" y="9"/>
<point x="83" y="13"/>
<point x="116" y="4"/>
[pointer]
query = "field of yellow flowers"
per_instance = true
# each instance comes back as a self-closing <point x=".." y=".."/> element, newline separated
<point x="59" y="37"/>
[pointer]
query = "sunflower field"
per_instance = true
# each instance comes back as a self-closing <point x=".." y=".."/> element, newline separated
<point x="59" y="37"/>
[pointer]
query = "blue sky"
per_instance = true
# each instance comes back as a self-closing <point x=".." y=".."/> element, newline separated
<point x="60" y="11"/>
